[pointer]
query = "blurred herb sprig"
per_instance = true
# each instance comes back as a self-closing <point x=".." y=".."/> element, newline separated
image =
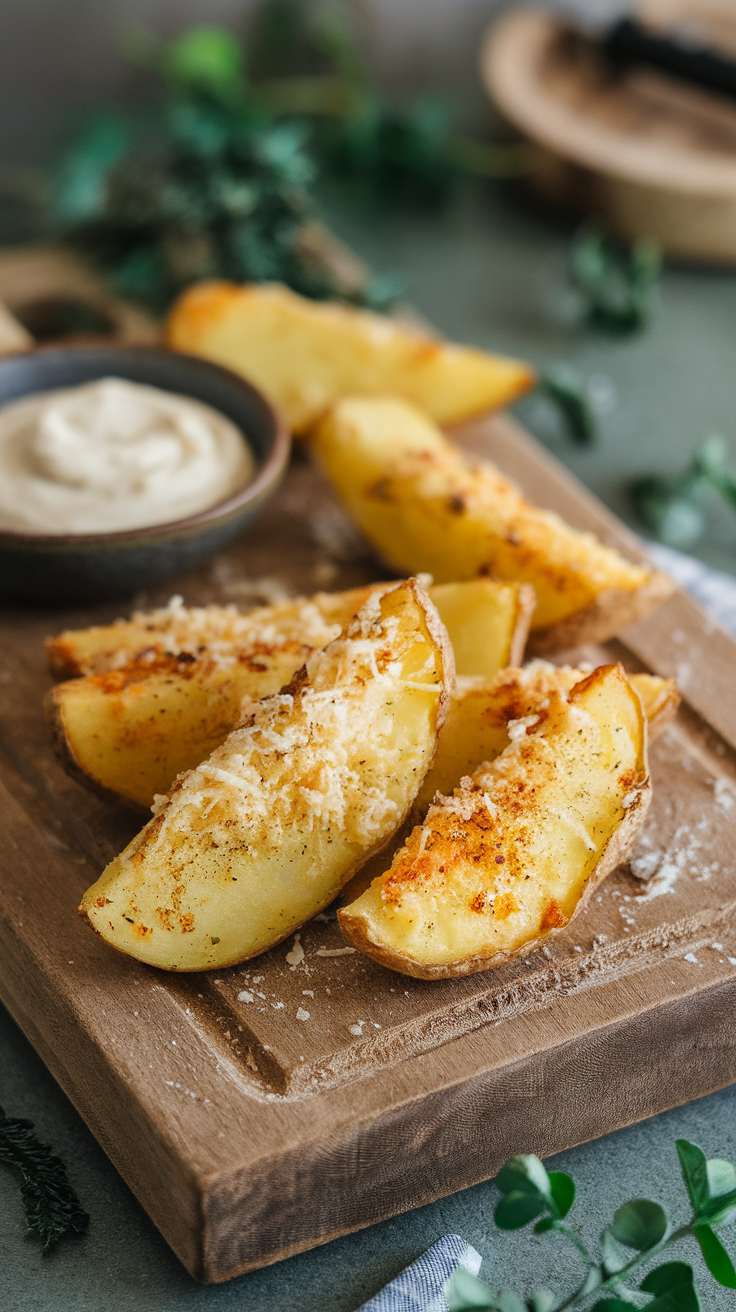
<point x="619" y="285"/>
<point x="215" y="175"/>
<point x="639" y="1232"/>
<point x="675" y="508"/>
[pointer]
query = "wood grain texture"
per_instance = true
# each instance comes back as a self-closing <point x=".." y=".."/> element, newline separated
<point x="249" y="1134"/>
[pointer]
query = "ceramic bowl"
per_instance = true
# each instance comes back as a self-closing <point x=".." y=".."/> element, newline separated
<point x="71" y="568"/>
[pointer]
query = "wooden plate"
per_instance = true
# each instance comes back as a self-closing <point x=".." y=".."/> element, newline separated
<point x="249" y="1135"/>
<point x="651" y="156"/>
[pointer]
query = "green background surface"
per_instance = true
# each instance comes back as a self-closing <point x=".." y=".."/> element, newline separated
<point x="492" y="272"/>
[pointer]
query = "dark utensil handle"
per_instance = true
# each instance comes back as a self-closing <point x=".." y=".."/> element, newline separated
<point x="630" y="43"/>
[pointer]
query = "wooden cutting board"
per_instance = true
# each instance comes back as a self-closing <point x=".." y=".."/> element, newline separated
<point x="249" y="1134"/>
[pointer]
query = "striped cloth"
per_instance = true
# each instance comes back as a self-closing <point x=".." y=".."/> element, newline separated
<point x="419" y="1288"/>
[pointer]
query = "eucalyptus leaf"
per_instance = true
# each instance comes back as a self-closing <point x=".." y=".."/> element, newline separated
<point x="465" y="1292"/>
<point x="542" y="1227"/>
<point x="562" y="1188"/>
<point x="694" y="1169"/>
<point x="721" y="1177"/>
<point x="508" y="1301"/>
<point x="593" y="1280"/>
<point x="613" y="1255"/>
<point x="517" y="1209"/>
<point x="715" y="1257"/>
<point x="542" y="1300"/>
<point x="524" y="1173"/>
<point x="672" y="1283"/>
<point x="567" y="389"/>
<point x="639" y="1224"/>
<point x="618" y="285"/>
<point x="613" y="1305"/>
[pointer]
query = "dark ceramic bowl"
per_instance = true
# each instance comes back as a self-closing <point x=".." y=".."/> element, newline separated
<point x="95" y="566"/>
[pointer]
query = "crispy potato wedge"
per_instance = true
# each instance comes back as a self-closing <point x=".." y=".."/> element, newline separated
<point x="128" y="733"/>
<point x="130" y="729"/>
<point x="221" y="630"/>
<point x="513" y="855"/>
<point x="266" y="831"/>
<point x="477" y="725"/>
<point x="425" y="506"/>
<point x="488" y="623"/>
<point x="305" y="355"/>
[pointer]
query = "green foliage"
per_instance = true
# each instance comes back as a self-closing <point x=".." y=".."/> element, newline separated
<point x="529" y="1191"/>
<point x="675" y="508"/>
<point x="618" y="285"/>
<point x="565" y="387"/>
<point x="639" y="1224"/>
<point x="51" y="1207"/>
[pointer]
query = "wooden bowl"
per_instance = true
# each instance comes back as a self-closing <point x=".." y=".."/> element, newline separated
<point x="652" y="157"/>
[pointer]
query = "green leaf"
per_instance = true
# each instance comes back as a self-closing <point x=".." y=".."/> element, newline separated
<point x="547" y="1223"/>
<point x="51" y="1207"/>
<point x="722" y="1208"/>
<point x="639" y="1224"/>
<point x="715" y="1257"/>
<point x="207" y="58"/>
<point x="517" y="1209"/>
<point x="674" y="516"/>
<point x="562" y="1188"/>
<point x="672" y="1283"/>
<point x="618" y="285"/>
<point x="613" y="1255"/>
<point x="694" y="1169"/>
<point x="465" y="1292"/>
<point x="567" y="389"/>
<point x="613" y="1305"/>
<point x="721" y="1177"/>
<point x="542" y="1300"/>
<point x="526" y="1174"/>
<point x="508" y="1301"/>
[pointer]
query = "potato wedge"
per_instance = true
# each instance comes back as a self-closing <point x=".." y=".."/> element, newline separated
<point x="305" y="355"/>
<point x="128" y="730"/>
<point x="220" y="630"/>
<point x="477" y="725"/>
<point x="513" y="855"/>
<point x="425" y="506"/>
<point x="488" y="623"/>
<point x="266" y="831"/>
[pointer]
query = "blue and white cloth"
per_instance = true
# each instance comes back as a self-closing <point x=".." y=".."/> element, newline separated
<point x="419" y="1287"/>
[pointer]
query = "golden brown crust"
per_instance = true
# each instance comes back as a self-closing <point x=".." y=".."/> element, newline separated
<point x="613" y="610"/>
<point x="353" y="929"/>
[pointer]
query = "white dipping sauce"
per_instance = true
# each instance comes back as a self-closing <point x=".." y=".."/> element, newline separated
<point x="114" y="455"/>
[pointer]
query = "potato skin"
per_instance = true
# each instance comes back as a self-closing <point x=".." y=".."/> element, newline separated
<point x="613" y="610"/>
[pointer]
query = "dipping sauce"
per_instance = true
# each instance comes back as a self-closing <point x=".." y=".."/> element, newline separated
<point x="113" y="455"/>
